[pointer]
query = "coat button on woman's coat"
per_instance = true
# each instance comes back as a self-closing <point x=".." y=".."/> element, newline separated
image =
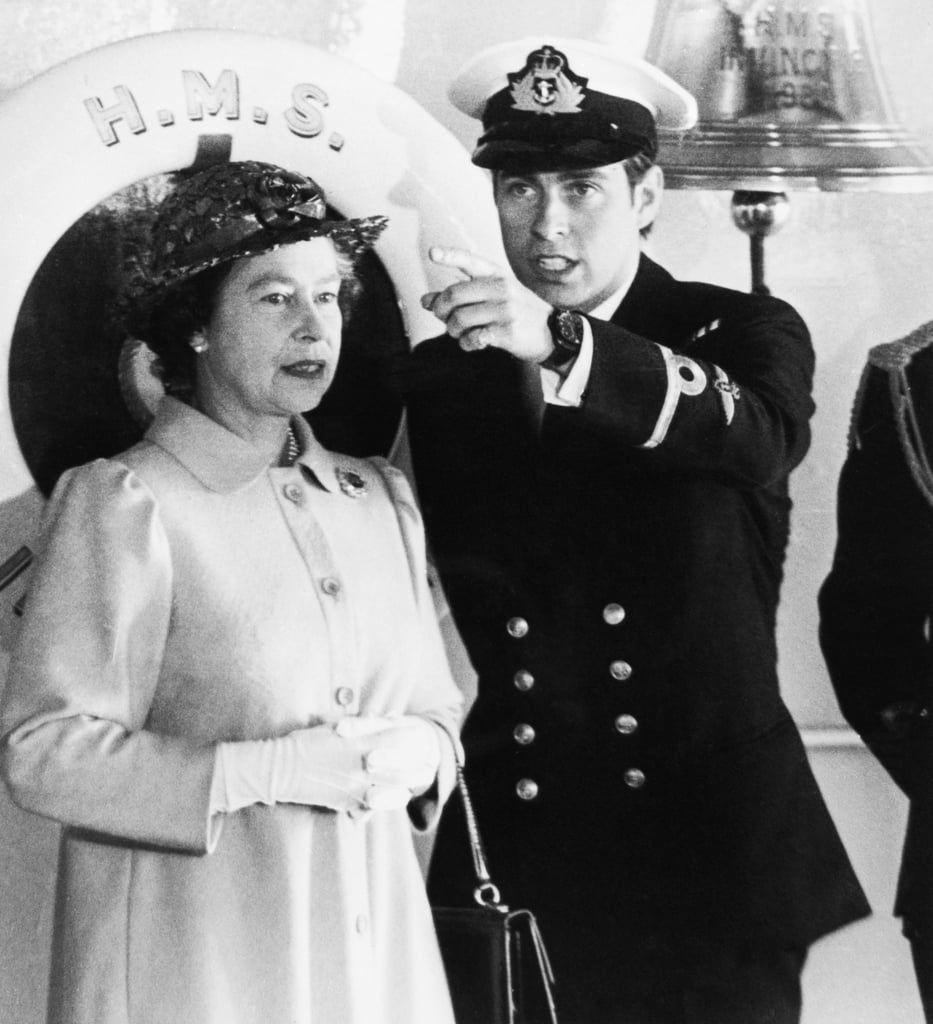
<point x="517" y="627"/>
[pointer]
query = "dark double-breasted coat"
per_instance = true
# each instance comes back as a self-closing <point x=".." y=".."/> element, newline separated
<point x="876" y="605"/>
<point x="614" y="571"/>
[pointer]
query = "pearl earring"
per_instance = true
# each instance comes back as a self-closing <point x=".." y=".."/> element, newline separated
<point x="198" y="342"/>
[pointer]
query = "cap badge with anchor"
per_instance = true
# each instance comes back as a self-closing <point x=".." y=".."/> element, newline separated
<point x="546" y="85"/>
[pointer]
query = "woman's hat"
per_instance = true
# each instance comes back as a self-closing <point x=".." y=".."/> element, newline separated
<point x="232" y="210"/>
<point x="554" y="103"/>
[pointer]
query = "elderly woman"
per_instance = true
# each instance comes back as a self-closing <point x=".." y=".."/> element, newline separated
<point x="229" y="684"/>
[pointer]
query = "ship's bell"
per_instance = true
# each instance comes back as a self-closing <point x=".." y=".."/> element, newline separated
<point x="790" y="96"/>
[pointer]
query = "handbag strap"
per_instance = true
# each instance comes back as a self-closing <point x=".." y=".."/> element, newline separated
<point x="544" y="961"/>
<point x="487" y="895"/>
<point x="486" y="892"/>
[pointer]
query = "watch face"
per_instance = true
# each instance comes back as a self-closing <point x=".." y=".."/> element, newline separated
<point x="569" y="332"/>
<point x="566" y="328"/>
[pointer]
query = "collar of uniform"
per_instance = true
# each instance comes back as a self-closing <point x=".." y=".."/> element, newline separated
<point x="646" y="308"/>
<point x="606" y="308"/>
<point x="220" y="459"/>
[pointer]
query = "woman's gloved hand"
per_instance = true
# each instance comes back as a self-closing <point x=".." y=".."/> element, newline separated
<point x="358" y="765"/>
<point x="404" y="750"/>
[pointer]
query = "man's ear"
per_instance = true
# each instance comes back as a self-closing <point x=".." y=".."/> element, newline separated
<point x="648" y="194"/>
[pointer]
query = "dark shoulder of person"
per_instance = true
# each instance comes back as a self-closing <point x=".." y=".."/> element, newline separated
<point x="710" y="300"/>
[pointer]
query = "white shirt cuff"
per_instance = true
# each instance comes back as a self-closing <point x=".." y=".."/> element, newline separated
<point x="569" y="390"/>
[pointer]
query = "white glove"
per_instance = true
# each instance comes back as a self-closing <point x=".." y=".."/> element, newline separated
<point x="360" y="765"/>
<point x="406" y="749"/>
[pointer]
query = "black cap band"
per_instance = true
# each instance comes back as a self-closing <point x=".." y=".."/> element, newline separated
<point x="585" y="139"/>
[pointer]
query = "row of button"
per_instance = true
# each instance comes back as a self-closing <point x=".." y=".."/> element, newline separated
<point x="613" y="615"/>
<point x="528" y="789"/>
<point x="523" y="680"/>
<point x="331" y="586"/>
<point x="294" y="493"/>
<point x="524" y="734"/>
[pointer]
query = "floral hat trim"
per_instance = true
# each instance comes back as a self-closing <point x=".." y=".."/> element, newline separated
<point x="234" y="210"/>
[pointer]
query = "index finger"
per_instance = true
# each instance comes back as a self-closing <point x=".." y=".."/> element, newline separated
<point x="472" y="264"/>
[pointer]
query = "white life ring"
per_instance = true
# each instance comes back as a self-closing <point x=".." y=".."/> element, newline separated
<point x="98" y="123"/>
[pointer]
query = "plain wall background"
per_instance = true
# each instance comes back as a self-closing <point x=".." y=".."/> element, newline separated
<point x="855" y="265"/>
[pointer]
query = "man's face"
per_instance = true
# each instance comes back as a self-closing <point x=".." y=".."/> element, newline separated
<point x="572" y="237"/>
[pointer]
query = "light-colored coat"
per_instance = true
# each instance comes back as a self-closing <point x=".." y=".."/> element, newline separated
<point x="188" y="594"/>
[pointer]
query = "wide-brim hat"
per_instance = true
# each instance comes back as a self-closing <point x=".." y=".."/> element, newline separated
<point x="549" y="102"/>
<point x="232" y="210"/>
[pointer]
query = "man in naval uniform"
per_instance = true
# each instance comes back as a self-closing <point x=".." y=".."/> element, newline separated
<point x="876" y="605"/>
<point x="602" y="453"/>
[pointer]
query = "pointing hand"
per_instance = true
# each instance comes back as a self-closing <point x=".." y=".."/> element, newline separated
<point x="489" y="307"/>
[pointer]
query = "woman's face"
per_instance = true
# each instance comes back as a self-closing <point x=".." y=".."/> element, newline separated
<point x="274" y="335"/>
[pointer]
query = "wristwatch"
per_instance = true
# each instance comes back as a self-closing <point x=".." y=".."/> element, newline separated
<point x="566" y="327"/>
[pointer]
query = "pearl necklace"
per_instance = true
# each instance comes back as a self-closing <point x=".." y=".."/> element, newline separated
<point x="291" y="449"/>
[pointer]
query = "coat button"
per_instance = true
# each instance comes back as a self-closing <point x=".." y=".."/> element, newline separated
<point x="527" y="789"/>
<point x="523" y="680"/>
<point x="634" y="778"/>
<point x="620" y="670"/>
<point x="344" y="696"/>
<point x="293" y="492"/>
<point x="330" y="586"/>
<point x="613" y="614"/>
<point x="524" y="734"/>
<point x="517" y="627"/>
<point x="362" y="924"/>
<point x="626" y="724"/>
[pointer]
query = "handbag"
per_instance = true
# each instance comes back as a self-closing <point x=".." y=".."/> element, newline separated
<point x="497" y="966"/>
